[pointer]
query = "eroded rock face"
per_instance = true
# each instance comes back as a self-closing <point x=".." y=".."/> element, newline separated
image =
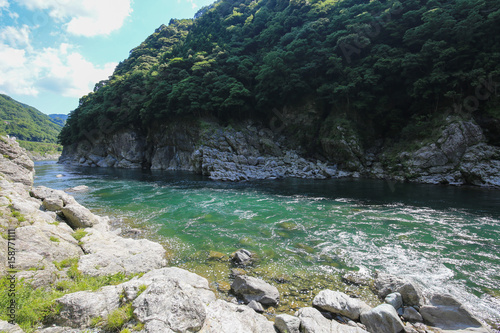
<point x="253" y="289"/>
<point x="340" y="303"/>
<point x="15" y="163"/>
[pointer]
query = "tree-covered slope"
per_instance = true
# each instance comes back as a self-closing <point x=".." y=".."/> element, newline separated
<point x="385" y="66"/>
<point x="25" y="122"/>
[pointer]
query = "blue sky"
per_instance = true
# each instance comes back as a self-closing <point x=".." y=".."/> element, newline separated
<point x="52" y="52"/>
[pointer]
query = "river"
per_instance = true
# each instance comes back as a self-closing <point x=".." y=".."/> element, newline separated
<point x="445" y="238"/>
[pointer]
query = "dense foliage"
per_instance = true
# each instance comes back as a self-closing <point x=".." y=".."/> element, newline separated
<point x="25" y="122"/>
<point x="381" y="64"/>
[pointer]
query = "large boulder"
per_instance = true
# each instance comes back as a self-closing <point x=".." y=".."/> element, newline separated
<point x="78" y="216"/>
<point x="253" y="289"/>
<point x="340" y="303"/>
<point x="108" y="253"/>
<point x="169" y="304"/>
<point x="227" y="317"/>
<point x="78" y="309"/>
<point x="382" y="319"/>
<point x="386" y="284"/>
<point x="445" y="312"/>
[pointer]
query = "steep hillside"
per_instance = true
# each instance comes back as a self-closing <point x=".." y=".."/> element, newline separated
<point x="351" y="83"/>
<point x="25" y="122"/>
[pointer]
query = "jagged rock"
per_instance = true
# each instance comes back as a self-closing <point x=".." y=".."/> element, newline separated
<point x="223" y="316"/>
<point x="446" y="313"/>
<point x="108" y="253"/>
<point x="78" y="216"/>
<point x="173" y="303"/>
<point x="256" y="306"/>
<point x="78" y="309"/>
<point x="412" y="315"/>
<point x="287" y="324"/>
<point x="386" y="284"/>
<point x="312" y="321"/>
<point x="5" y="327"/>
<point x="242" y="257"/>
<point x="340" y="303"/>
<point x="382" y="319"/>
<point x="394" y="299"/>
<point x="253" y="289"/>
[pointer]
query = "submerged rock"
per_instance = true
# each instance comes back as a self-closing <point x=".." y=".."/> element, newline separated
<point x="242" y="257"/>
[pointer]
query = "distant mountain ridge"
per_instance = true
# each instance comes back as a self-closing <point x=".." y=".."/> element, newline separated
<point x="25" y="122"/>
<point x="58" y="119"/>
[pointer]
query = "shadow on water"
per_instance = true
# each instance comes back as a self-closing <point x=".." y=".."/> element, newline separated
<point x="483" y="201"/>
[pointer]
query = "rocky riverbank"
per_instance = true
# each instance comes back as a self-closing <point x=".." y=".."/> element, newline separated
<point x="58" y="241"/>
<point x="457" y="153"/>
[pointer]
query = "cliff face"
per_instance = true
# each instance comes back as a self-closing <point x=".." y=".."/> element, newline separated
<point x="458" y="153"/>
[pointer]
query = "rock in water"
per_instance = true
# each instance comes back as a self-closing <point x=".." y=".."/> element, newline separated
<point x="287" y="324"/>
<point x="81" y="188"/>
<point x="340" y="303"/>
<point x="447" y="313"/>
<point x="410" y="292"/>
<point x="242" y="257"/>
<point x="382" y="319"/>
<point x="253" y="289"/>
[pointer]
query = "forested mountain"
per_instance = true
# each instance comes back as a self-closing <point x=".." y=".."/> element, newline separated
<point x="25" y="122"/>
<point x="386" y="67"/>
<point x="59" y="119"/>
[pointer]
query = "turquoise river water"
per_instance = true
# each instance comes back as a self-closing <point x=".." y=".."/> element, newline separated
<point x="445" y="238"/>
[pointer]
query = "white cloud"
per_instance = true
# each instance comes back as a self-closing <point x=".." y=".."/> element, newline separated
<point x="85" y="17"/>
<point x="16" y="37"/>
<point x="4" y="4"/>
<point x="61" y="70"/>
